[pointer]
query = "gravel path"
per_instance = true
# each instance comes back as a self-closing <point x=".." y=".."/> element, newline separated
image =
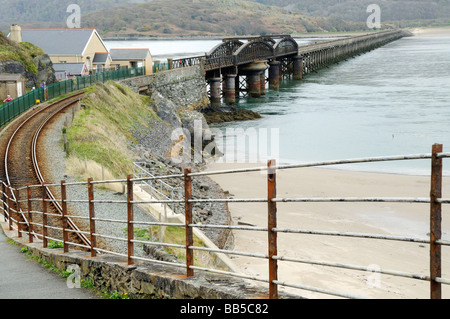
<point x="56" y="158"/>
<point x="203" y="188"/>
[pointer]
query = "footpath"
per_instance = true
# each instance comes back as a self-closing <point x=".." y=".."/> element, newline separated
<point x="24" y="278"/>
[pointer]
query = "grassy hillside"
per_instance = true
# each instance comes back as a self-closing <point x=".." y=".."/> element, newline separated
<point x="204" y="17"/>
<point x="408" y="11"/>
<point x="24" y="52"/>
<point x="49" y="13"/>
<point x="101" y="133"/>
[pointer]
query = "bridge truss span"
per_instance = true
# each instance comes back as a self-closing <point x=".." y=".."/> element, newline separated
<point x="250" y="57"/>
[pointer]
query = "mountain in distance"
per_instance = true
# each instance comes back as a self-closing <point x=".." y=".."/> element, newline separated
<point x="409" y="12"/>
<point x="49" y="13"/>
<point x="208" y="18"/>
<point x="170" y="18"/>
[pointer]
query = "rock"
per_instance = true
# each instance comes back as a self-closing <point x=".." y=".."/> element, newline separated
<point x="228" y="114"/>
<point x="45" y="71"/>
<point x="159" y="254"/>
<point x="166" y="110"/>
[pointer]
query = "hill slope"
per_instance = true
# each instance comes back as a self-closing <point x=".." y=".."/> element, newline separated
<point x="204" y="17"/>
<point x="355" y="10"/>
<point x="23" y="53"/>
<point x="49" y="13"/>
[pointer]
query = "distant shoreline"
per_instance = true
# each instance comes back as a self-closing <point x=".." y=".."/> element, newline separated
<point x="220" y="37"/>
<point x="432" y="31"/>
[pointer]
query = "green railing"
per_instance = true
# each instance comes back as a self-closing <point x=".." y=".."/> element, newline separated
<point x="158" y="67"/>
<point x="21" y="104"/>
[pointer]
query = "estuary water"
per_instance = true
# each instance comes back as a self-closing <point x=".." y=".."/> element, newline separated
<point x="394" y="100"/>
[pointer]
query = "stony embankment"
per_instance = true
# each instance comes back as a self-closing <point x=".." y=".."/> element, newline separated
<point x="155" y="147"/>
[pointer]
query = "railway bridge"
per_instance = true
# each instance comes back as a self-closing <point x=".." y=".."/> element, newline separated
<point x="244" y="65"/>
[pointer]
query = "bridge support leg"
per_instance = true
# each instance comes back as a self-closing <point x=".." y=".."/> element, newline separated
<point x="254" y="84"/>
<point x="230" y="89"/>
<point x="216" y="98"/>
<point x="274" y="75"/>
<point x="298" y="68"/>
<point x="262" y="82"/>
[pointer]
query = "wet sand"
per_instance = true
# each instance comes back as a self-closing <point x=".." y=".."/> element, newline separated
<point x="405" y="220"/>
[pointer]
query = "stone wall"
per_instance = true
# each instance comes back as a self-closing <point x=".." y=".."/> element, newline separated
<point x="185" y="87"/>
<point x="143" y="280"/>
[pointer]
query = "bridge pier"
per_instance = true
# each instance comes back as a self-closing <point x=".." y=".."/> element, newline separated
<point x="255" y="71"/>
<point x="216" y="92"/>
<point x="274" y="75"/>
<point x="298" y="68"/>
<point x="254" y="84"/>
<point x="262" y="83"/>
<point x="230" y="89"/>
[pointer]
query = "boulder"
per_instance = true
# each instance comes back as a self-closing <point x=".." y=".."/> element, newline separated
<point x="45" y="72"/>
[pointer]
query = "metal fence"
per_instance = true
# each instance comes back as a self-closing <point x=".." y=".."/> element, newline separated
<point x="21" y="104"/>
<point x="157" y="188"/>
<point x="434" y="201"/>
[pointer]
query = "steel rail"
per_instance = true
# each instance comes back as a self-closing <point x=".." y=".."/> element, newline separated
<point x="7" y="152"/>
<point x="70" y="101"/>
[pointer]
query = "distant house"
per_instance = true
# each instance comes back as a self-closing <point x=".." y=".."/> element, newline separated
<point x="102" y="61"/>
<point x="69" y="46"/>
<point x="132" y="58"/>
<point x="11" y="84"/>
<point x="66" y="45"/>
<point x="64" y="71"/>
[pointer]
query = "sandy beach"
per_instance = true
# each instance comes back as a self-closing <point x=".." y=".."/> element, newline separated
<point x="407" y="220"/>
<point x="431" y="32"/>
<point x="401" y="219"/>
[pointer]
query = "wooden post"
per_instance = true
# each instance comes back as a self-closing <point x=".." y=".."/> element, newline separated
<point x="188" y="221"/>
<point x="64" y="216"/>
<point x="30" y="215"/>
<point x="272" y="223"/>
<point x="44" y="216"/>
<point x="91" y="217"/>
<point x="435" y="222"/>
<point x="130" y="218"/>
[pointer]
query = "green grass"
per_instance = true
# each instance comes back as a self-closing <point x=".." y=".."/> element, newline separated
<point x="172" y="235"/>
<point x="22" y="52"/>
<point x="86" y="283"/>
<point x="101" y="132"/>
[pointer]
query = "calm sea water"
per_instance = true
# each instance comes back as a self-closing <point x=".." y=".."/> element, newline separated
<point x="391" y="101"/>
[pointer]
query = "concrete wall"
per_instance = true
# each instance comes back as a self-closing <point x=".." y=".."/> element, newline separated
<point x="186" y="87"/>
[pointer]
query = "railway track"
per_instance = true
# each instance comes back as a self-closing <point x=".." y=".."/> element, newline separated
<point x="21" y="167"/>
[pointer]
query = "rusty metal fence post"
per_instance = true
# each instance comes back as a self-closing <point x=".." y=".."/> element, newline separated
<point x="64" y="216"/>
<point x="17" y="205"/>
<point x="435" y="222"/>
<point x="44" y="216"/>
<point x="188" y="221"/>
<point x="30" y="215"/>
<point x="91" y="217"/>
<point x="8" y="202"/>
<point x="272" y="223"/>
<point x="4" y="201"/>
<point x="130" y="219"/>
